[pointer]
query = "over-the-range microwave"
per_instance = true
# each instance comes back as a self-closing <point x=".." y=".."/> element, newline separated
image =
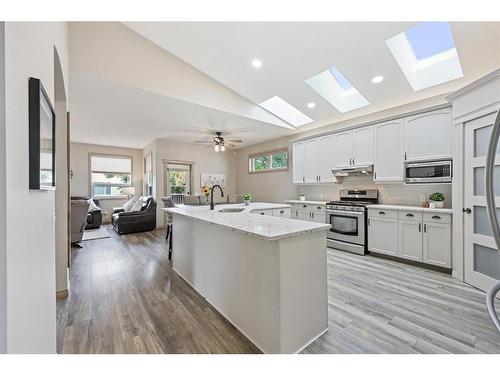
<point x="428" y="172"/>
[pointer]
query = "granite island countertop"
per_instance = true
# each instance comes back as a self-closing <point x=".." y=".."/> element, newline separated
<point x="266" y="227"/>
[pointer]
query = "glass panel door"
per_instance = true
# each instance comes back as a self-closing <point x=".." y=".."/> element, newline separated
<point x="177" y="180"/>
<point x="482" y="260"/>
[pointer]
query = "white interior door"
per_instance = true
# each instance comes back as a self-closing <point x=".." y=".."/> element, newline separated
<point x="482" y="260"/>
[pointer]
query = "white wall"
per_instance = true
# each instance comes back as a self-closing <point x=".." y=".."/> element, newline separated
<point x="31" y="307"/>
<point x="80" y="183"/>
<point x="3" y="242"/>
<point x="205" y="160"/>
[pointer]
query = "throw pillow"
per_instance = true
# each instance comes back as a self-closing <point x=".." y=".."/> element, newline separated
<point x="137" y="206"/>
<point x="92" y="205"/>
<point x="130" y="203"/>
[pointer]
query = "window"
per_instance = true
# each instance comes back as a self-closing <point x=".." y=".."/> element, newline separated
<point x="110" y="175"/>
<point x="426" y="54"/>
<point x="270" y="161"/>
<point x="178" y="179"/>
<point x="332" y="85"/>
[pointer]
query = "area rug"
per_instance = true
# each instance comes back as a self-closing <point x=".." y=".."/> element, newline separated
<point x="95" y="234"/>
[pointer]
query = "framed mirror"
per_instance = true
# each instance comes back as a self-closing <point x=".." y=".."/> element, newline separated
<point x="42" y="127"/>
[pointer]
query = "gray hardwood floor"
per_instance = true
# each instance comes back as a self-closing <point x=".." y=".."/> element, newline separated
<point x="125" y="298"/>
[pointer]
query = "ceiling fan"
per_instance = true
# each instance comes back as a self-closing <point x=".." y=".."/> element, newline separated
<point x="219" y="142"/>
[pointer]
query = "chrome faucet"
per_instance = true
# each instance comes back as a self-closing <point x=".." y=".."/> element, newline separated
<point x="212" y="195"/>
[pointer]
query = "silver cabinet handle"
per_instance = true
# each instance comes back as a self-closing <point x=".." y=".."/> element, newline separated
<point x="368" y="221"/>
<point x="409" y="215"/>
<point x="425" y="228"/>
<point x="282" y="212"/>
<point x="381" y="213"/>
<point x="436" y="217"/>
<point x="262" y="213"/>
<point x="420" y="227"/>
<point x="353" y="162"/>
<point x="467" y="210"/>
<point x="405" y="155"/>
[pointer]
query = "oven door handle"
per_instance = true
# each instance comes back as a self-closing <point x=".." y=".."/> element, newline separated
<point x="357" y="213"/>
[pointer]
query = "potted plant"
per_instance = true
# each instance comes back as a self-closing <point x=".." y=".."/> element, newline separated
<point x="247" y="197"/>
<point x="438" y="199"/>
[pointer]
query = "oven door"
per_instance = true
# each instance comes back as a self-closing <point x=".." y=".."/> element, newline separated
<point x="347" y="226"/>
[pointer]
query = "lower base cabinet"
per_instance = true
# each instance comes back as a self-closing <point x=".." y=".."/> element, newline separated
<point x="423" y="238"/>
<point x="410" y="244"/>
<point x="383" y="235"/>
<point x="437" y="244"/>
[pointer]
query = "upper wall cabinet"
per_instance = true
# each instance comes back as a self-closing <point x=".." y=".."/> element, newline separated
<point x="428" y="135"/>
<point x="342" y="149"/>
<point x="313" y="160"/>
<point x="353" y="147"/>
<point x="362" y="146"/>
<point x="388" y="163"/>
<point x="299" y="163"/>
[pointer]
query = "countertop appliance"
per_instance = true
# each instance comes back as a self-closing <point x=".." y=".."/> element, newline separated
<point x="428" y="172"/>
<point x="348" y="220"/>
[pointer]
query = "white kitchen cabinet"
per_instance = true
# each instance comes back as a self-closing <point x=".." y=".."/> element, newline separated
<point x="325" y="145"/>
<point x="263" y="212"/>
<point x="312" y="160"/>
<point x="342" y="149"/>
<point x="410" y="239"/>
<point x="362" y="146"/>
<point x="388" y="161"/>
<point x="318" y="216"/>
<point x="282" y="212"/>
<point x="383" y="235"/>
<point x="301" y="215"/>
<point x="428" y="135"/>
<point x="437" y="244"/>
<point x="298" y="162"/>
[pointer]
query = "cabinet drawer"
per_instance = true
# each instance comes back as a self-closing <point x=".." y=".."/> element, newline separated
<point x="410" y="215"/>
<point x="436" y="217"/>
<point x="263" y="212"/>
<point x="382" y="212"/>
<point x="281" y="212"/>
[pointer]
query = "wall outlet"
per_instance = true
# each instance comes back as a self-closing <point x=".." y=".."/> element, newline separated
<point x="422" y="198"/>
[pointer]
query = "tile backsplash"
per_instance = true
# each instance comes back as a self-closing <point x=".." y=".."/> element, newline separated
<point x="396" y="193"/>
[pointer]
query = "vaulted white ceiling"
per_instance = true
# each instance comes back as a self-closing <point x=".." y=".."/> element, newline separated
<point x="292" y="52"/>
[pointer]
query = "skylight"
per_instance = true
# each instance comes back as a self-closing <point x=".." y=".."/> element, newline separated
<point x="332" y="85"/>
<point x="426" y="54"/>
<point x="285" y="111"/>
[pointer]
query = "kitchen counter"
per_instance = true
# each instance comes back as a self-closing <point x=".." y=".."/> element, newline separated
<point x="411" y="208"/>
<point x="267" y="227"/>
<point x="319" y="203"/>
<point x="265" y="274"/>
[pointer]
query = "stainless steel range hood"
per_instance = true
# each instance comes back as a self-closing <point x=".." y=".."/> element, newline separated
<point x="355" y="170"/>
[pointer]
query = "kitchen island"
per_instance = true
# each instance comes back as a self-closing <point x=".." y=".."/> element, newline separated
<point x="265" y="274"/>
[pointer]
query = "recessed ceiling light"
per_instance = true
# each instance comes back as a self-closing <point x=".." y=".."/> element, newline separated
<point x="377" y="79"/>
<point x="311" y="105"/>
<point x="256" y="63"/>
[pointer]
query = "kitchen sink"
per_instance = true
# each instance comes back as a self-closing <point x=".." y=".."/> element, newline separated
<point x="231" y="210"/>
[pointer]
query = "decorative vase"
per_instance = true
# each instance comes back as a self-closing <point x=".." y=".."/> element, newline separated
<point x="247" y="202"/>
<point x="438" y="204"/>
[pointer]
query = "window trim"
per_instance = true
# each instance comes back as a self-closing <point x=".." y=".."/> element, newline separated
<point x="269" y="153"/>
<point x="115" y="156"/>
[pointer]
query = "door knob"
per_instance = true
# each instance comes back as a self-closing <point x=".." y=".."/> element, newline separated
<point x="468" y="211"/>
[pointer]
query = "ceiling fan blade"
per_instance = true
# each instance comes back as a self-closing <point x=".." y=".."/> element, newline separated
<point x="234" y="140"/>
<point x="204" y="142"/>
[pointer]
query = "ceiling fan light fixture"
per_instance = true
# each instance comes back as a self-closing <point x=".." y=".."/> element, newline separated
<point x="223" y="148"/>
<point x="217" y="148"/>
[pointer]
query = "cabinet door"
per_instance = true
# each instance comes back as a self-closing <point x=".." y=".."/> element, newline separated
<point x="383" y="236"/>
<point x="362" y="145"/>
<point x="388" y="151"/>
<point x="326" y="158"/>
<point x="319" y="217"/>
<point x="428" y="135"/>
<point x="303" y="215"/>
<point x="312" y="160"/>
<point x="299" y="163"/>
<point x="410" y="239"/>
<point x="437" y="244"/>
<point x="342" y="149"/>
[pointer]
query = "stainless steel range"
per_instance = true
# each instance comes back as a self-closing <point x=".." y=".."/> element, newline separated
<point x="348" y="219"/>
